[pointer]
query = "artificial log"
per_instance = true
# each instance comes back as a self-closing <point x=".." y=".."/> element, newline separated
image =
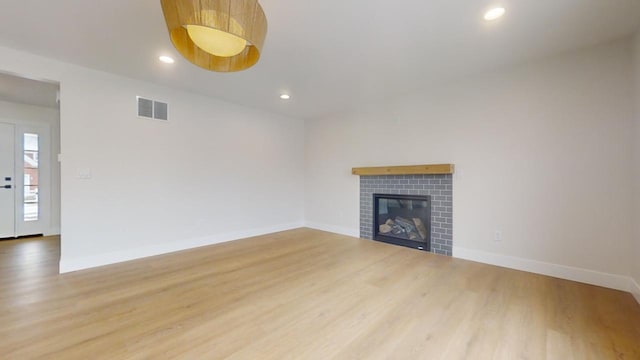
<point x="397" y="230"/>
<point x="413" y="229"/>
<point x="385" y="229"/>
<point x="407" y="225"/>
<point x="422" y="230"/>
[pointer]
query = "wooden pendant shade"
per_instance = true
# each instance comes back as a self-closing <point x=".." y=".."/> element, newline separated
<point x="244" y="19"/>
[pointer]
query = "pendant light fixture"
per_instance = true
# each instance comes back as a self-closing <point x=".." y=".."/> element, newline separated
<point x="217" y="35"/>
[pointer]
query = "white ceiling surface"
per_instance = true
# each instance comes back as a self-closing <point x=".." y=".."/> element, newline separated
<point x="329" y="54"/>
<point x="30" y="92"/>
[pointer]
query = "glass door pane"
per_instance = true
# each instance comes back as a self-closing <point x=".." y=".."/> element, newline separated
<point x="31" y="174"/>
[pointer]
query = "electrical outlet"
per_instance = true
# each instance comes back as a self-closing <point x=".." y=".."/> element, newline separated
<point x="83" y="173"/>
<point x="497" y="237"/>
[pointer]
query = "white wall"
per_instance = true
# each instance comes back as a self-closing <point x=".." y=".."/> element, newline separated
<point x="214" y="172"/>
<point x="542" y="152"/>
<point x="635" y="260"/>
<point x="27" y="114"/>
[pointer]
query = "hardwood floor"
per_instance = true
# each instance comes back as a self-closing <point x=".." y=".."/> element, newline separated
<point x="302" y="294"/>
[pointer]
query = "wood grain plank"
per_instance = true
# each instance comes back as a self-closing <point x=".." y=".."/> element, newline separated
<point x="404" y="170"/>
<point x="302" y="294"/>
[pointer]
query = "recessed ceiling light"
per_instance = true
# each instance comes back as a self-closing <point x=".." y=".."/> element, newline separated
<point x="285" y="96"/>
<point x="494" y="13"/>
<point x="166" y="59"/>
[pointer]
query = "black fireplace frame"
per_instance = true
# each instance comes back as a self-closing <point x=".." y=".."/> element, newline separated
<point x="394" y="240"/>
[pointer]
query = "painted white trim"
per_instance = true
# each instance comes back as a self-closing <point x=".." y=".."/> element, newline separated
<point x="635" y="289"/>
<point x="69" y="265"/>
<point x="51" y="128"/>
<point x="52" y="231"/>
<point x="612" y="281"/>
<point x="333" y="229"/>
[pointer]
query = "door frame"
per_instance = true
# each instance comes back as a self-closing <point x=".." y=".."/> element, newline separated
<point x="44" y="225"/>
<point x="12" y="230"/>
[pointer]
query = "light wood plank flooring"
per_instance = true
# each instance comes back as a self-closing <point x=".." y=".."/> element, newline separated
<point x="302" y="294"/>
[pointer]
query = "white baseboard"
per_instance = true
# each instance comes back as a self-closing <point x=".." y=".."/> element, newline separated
<point x="612" y="281"/>
<point x="75" y="264"/>
<point x="52" y="231"/>
<point x="635" y="290"/>
<point x="333" y="229"/>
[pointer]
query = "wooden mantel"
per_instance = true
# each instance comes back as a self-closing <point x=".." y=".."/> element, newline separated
<point x="404" y="170"/>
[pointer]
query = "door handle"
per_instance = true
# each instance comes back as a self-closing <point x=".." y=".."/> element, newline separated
<point x="7" y="186"/>
<point x="7" y="179"/>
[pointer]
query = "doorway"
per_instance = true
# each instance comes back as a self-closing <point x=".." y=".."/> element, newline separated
<point x="29" y="148"/>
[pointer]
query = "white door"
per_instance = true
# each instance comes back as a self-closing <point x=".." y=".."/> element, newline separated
<point x="25" y="179"/>
<point x="7" y="181"/>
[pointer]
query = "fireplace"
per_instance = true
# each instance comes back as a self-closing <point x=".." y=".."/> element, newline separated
<point x="437" y="187"/>
<point x="402" y="220"/>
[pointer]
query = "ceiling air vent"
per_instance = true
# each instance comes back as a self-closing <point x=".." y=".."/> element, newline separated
<point x="152" y="109"/>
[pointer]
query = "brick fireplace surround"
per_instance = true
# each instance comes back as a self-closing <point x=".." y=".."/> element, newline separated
<point x="439" y="186"/>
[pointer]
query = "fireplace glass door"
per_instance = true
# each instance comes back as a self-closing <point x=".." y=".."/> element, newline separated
<point x="403" y="220"/>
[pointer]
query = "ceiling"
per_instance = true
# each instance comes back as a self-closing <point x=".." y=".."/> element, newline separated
<point x="30" y="92"/>
<point x="329" y="54"/>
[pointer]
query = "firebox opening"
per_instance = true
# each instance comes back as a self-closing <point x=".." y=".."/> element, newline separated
<point x="403" y="220"/>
